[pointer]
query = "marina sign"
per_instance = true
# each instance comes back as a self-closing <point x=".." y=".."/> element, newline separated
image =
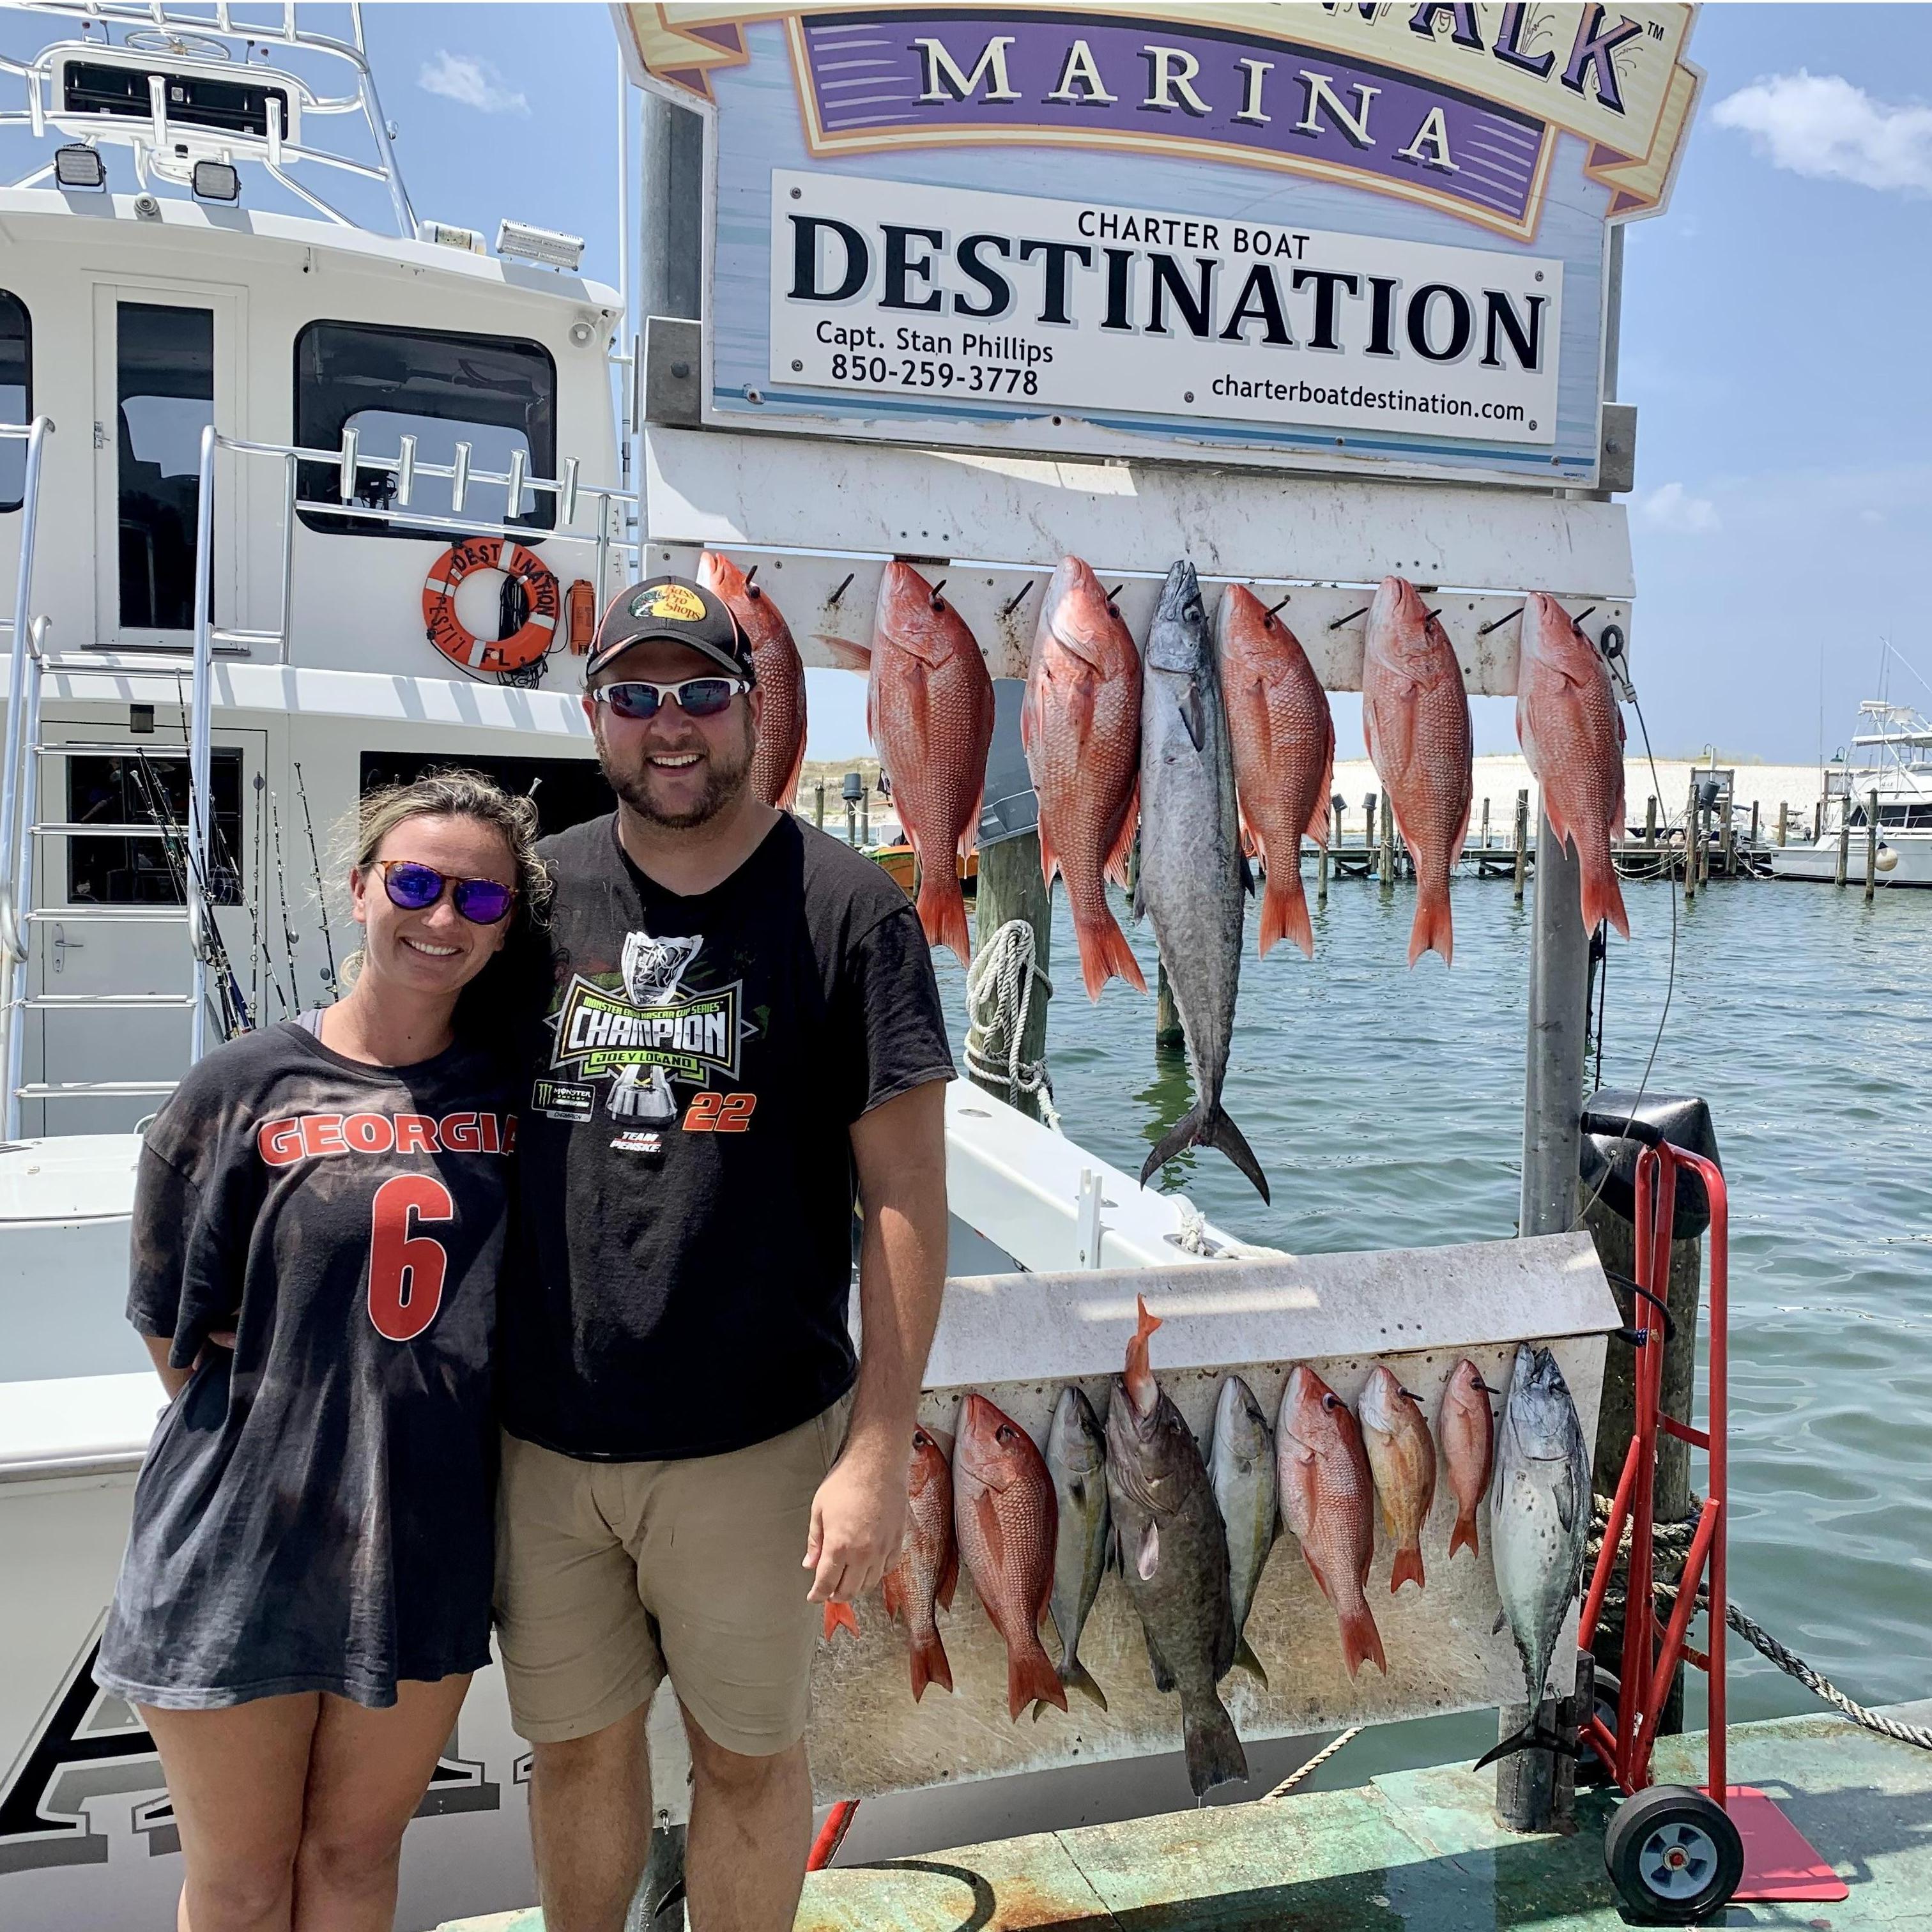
<point x="1367" y="236"/>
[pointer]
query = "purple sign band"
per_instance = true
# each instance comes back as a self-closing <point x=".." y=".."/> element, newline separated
<point x="878" y="78"/>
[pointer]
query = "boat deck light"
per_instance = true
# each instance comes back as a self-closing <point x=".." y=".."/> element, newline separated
<point x="78" y="166"/>
<point x="216" y="180"/>
<point x="522" y="243"/>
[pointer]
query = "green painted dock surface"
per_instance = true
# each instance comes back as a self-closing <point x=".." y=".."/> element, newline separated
<point x="1416" y="1848"/>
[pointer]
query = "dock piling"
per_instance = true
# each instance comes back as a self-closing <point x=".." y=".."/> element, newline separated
<point x="818" y="806"/>
<point x="1322" y="878"/>
<point x="1486" y="825"/>
<point x="1010" y="887"/>
<point x="1784" y="819"/>
<point x="1871" y="845"/>
<point x="1694" y="837"/>
<point x="1844" y="843"/>
<point x="1521" y="841"/>
<point x="1168" y="1035"/>
<point x="1385" y="863"/>
<point x="1727" y="843"/>
<point x="1650" y="823"/>
<point x="1754" y="821"/>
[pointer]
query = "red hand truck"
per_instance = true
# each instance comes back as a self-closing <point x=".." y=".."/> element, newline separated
<point x="1677" y="1854"/>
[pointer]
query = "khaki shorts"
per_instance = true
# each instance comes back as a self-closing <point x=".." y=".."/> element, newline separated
<point x="612" y="1576"/>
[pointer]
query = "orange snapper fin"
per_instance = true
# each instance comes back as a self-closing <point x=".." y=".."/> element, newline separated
<point x="989" y="1528"/>
<point x="929" y="1665"/>
<point x="1030" y="1675"/>
<point x="1285" y="911"/>
<point x="1116" y="867"/>
<point x="1105" y="955"/>
<point x="845" y="654"/>
<point x="1433" y="931"/>
<point x="1361" y="1642"/>
<point x="840" y="1616"/>
<point x="948" y="1577"/>
<point x="1603" y="896"/>
<point x="1464" y="1535"/>
<point x="1408" y="1569"/>
<point x="942" y="909"/>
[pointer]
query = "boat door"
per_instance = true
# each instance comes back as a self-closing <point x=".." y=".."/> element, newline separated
<point x="167" y="362"/>
<point x="110" y="947"/>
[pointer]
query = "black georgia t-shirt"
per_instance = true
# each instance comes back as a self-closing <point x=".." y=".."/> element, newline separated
<point x="684" y="1171"/>
<point x="316" y="1511"/>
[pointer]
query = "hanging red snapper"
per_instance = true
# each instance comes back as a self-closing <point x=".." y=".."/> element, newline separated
<point x="920" y="1581"/>
<point x="1468" y="1429"/>
<point x="1415" y="716"/>
<point x="1326" y="1499"/>
<point x="780" y="755"/>
<point x="1572" y="735"/>
<point x="929" y="708"/>
<point x="1284" y="744"/>
<point x="1082" y="728"/>
<point x="1402" y="1458"/>
<point x="1007" y="1523"/>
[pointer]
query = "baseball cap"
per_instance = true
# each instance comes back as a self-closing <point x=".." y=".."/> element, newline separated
<point x="679" y="611"/>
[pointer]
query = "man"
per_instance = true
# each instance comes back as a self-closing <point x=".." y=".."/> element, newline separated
<point x="744" y="1022"/>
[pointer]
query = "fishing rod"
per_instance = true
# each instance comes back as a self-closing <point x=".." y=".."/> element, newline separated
<point x="321" y="901"/>
<point x="289" y="942"/>
<point x="233" y="1012"/>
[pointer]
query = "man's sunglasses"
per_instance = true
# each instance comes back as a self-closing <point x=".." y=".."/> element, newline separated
<point x="697" y="697"/>
<point x="415" y="888"/>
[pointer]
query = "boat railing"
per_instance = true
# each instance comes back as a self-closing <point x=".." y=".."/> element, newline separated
<point x="167" y="146"/>
<point x="22" y="643"/>
<point x="615" y="513"/>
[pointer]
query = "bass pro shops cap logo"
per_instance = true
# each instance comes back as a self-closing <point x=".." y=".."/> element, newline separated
<point x="670" y="600"/>
<point x="652" y="1032"/>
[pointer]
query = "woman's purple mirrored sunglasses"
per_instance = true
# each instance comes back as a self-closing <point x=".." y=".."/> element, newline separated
<point x="416" y="888"/>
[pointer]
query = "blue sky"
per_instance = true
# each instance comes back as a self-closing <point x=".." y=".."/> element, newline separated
<point x="1774" y="322"/>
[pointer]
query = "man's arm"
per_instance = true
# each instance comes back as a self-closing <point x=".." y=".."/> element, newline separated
<point x="858" y="1513"/>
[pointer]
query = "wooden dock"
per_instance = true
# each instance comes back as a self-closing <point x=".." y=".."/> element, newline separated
<point x="1418" y="1848"/>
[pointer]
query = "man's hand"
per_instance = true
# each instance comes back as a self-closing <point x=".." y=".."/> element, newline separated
<point x="858" y="1518"/>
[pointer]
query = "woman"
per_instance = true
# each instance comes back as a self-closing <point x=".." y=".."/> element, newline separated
<point x="319" y="1220"/>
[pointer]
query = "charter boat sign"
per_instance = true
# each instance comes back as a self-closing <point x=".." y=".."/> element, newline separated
<point x="1368" y="236"/>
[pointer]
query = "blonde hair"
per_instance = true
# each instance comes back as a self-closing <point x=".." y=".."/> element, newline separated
<point x="458" y="793"/>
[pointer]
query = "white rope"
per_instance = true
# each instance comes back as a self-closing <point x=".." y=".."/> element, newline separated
<point x="1193" y="1237"/>
<point x="999" y="998"/>
<point x="1313" y="1764"/>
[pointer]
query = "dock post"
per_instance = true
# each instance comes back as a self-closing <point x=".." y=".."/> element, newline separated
<point x="1871" y="845"/>
<point x="1169" y="1037"/>
<point x="1486" y="825"/>
<point x="1368" y="836"/>
<point x="1551" y="1148"/>
<point x="1322" y="878"/>
<point x="1386" y="862"/>
<point x="1784" y="819"/>
<point x="1844" y="841"/>
<point x="852" y="822"/>
<point x="1522" y="843"/>
<point x="1817" y="821"/>
<point x="866" y="818"/>
<point x="1650" y="822"/>
<point x="1727" y="843"/>
<point x="1694" y="837"/>
<point x="1754" y="820"/>
<point x="818" y="806"/>
<point x="1011" y="887"/>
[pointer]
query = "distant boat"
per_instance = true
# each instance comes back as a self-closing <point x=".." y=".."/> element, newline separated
<point x="1894" y="760"/>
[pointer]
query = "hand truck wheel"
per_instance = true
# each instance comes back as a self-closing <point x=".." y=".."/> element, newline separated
<point x="1591" y="1769"/>
<point x="1673" y="1855"/>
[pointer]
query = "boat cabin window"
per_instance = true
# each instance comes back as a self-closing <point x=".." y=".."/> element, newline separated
<point x="16" y="394"/>
<point x="566" y="790"/>
<point x="1906" y="818"/>
<point x="496" y="394"/>
<point x="149" y="788"/>
<point x="165" y="363"/>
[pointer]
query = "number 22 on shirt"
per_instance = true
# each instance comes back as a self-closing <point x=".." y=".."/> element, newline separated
<point x="407" y="1269"/>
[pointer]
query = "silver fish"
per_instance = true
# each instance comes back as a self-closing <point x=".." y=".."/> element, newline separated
<point x="1076" y="1456"/>
<point x="1193" y="875"/>
<point x="1174" y="1561"/>
<point x="1539" y="1523"/>
<point x="1241" y="1464"/>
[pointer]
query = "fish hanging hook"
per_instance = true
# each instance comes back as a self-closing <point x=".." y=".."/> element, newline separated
<point x="751" y="582"/>
<point x="1497" y="623"/>
<point x="1273" y="607"/>
<point x="841" y="590"/>
<point x="1013" y="602"/>
<point x="939" y="602"/>
<point x="1351" y="617"/>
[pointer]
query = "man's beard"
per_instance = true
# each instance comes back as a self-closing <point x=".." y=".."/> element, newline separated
<point x="725" y="783"/>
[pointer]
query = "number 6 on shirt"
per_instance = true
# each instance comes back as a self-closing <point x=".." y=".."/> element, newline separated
<point x="406" y="1270"/>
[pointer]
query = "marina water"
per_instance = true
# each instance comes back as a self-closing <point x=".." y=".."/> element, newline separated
<point x="1386" y="1107"/>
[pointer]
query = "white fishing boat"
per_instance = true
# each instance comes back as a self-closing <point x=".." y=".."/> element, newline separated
<point x="1892" y="761"/>
<point x="243" y="455"/>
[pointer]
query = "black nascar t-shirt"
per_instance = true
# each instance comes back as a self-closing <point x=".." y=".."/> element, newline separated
<point x="316" y="1512"/>
<point x="685" y="1169"/>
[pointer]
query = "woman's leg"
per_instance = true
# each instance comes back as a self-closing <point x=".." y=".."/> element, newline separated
<point x="367" y="1774"/>
<point x="237" y="1778"/>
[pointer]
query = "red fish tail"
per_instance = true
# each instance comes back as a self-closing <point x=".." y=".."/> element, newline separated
<point x="1408" y="1569"/>
<point x="840" y="1616"/>
<point x="1464" y="1535"/>
<point x="1285" y="911"/>
<point x="1030" y="1675"/>
<point x="1361" y="1642"/>
<point x="1105" y="953"/>
<point x="1116" y="867"/>
<point x="929" y="1665"/>
<point x="1603" y="896"/>
<point x="1433" y="932"/>
<point x="942" y="908"/>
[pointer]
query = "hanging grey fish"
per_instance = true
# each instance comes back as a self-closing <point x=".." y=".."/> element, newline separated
<point x="1193" y="875"/>
<point x="1539" y="1525"/>
<point x="1240" y="1464"/>
<point x="1174" y="1561"/>
<point x="1076" y="1456"/>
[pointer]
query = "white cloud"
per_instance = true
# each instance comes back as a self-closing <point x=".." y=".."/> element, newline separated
<point x="1819" y="124"/>
<point x="1674" y="509"/>
<point x="475" y="83"/>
